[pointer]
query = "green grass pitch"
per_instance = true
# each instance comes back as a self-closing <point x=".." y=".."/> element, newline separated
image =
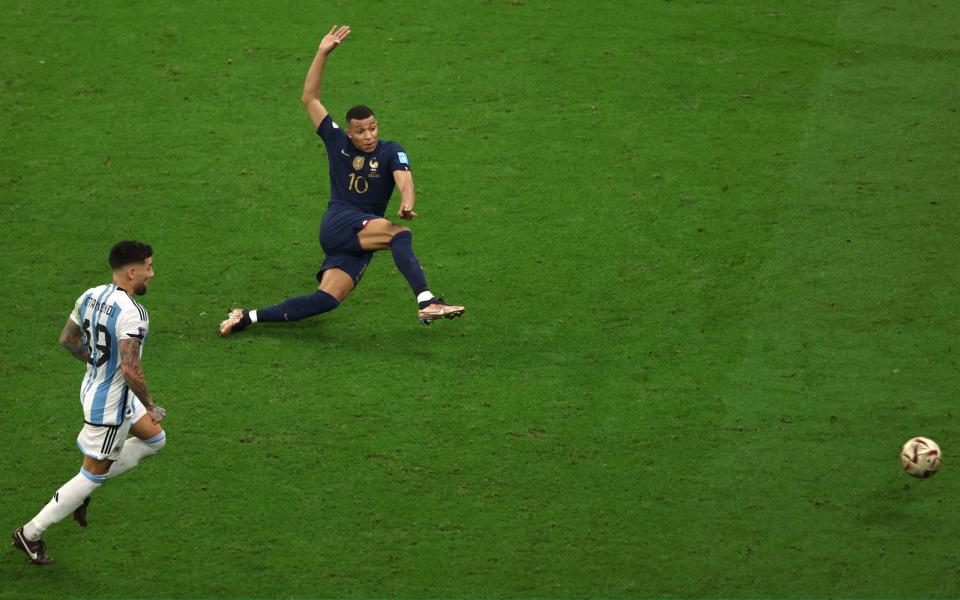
<point x="709" y="253"/>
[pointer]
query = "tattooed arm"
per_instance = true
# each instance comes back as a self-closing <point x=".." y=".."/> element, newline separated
<point x="71" y="338"/>
<point x="135" y="377"/>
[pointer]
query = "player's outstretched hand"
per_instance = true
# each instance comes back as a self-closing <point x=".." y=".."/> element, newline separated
<point x="333" y="39"/>
<point x="406" y="212"/>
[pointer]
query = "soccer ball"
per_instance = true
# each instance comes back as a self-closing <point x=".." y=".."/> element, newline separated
<point x="920" y="457"/>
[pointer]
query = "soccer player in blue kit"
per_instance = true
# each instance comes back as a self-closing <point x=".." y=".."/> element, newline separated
<point x="363" y="173"/>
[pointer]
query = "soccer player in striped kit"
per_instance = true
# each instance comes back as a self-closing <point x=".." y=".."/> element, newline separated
<point x="106" y="331"/>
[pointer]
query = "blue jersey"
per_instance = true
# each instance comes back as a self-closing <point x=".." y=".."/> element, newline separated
<point x="360" y="180"/>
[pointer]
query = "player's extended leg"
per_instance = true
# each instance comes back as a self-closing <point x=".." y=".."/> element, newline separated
<point x="71" y="495"/>
<point x="381" y="234"/>
<point x="335" y="286"/>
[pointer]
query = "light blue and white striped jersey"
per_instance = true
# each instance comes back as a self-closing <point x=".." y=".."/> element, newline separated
<point x="107" y="314"/>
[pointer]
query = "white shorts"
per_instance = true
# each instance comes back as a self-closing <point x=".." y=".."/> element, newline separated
<point x="106" y="441"/>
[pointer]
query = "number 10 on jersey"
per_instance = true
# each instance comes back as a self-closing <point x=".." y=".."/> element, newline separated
<point x="357" y="183"/>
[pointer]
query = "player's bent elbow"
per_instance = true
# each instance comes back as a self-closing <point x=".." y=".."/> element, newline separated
<point x="70" y="337"/>
<point x="310" y="100"/>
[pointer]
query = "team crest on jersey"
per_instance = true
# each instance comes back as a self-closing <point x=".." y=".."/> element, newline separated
<point x="374" y="163"/>
<point x="357" y="163"/>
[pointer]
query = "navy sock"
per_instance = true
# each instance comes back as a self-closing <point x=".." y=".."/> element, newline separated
<point x="301" y="307"/>
<point x="402" y="248"/>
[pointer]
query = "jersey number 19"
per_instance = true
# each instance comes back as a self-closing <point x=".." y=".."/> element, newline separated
<point x="102" y="342"/>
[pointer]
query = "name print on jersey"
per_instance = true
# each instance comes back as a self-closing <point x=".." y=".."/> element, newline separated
<point x="95" y="304"/>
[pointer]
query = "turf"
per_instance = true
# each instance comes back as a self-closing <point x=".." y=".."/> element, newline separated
<point x="708" y="252"/>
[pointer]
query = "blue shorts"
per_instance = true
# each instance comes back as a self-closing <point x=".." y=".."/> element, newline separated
<point x="341" y="247"/>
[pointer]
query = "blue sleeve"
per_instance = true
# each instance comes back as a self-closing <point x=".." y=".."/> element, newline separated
<point x="328" y="130"/>
<point x="398" y="160"/>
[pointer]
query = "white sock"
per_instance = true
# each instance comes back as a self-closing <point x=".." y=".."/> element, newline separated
<point x="253" y="316"/>
<point x="65" y="501"/>
<point x="424" y="296"/>
<point x="135" y="450"/>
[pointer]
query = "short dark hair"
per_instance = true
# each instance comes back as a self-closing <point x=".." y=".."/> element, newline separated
<point x="359" y="113"/>
<point x="129" y="252"/>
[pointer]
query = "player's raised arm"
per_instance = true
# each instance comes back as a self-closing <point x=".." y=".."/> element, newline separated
<point x="313" y="84"/>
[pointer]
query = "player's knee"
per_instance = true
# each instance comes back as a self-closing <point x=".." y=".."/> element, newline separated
<point x="157" y="442"/>
<point x="325" y="302"/>
<point x="401" y="234"/>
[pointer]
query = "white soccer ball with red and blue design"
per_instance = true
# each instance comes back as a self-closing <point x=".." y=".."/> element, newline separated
<point x="921" y="457"/>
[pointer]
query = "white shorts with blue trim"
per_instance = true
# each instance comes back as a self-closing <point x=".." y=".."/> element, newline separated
<point x="106" y="441"/>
